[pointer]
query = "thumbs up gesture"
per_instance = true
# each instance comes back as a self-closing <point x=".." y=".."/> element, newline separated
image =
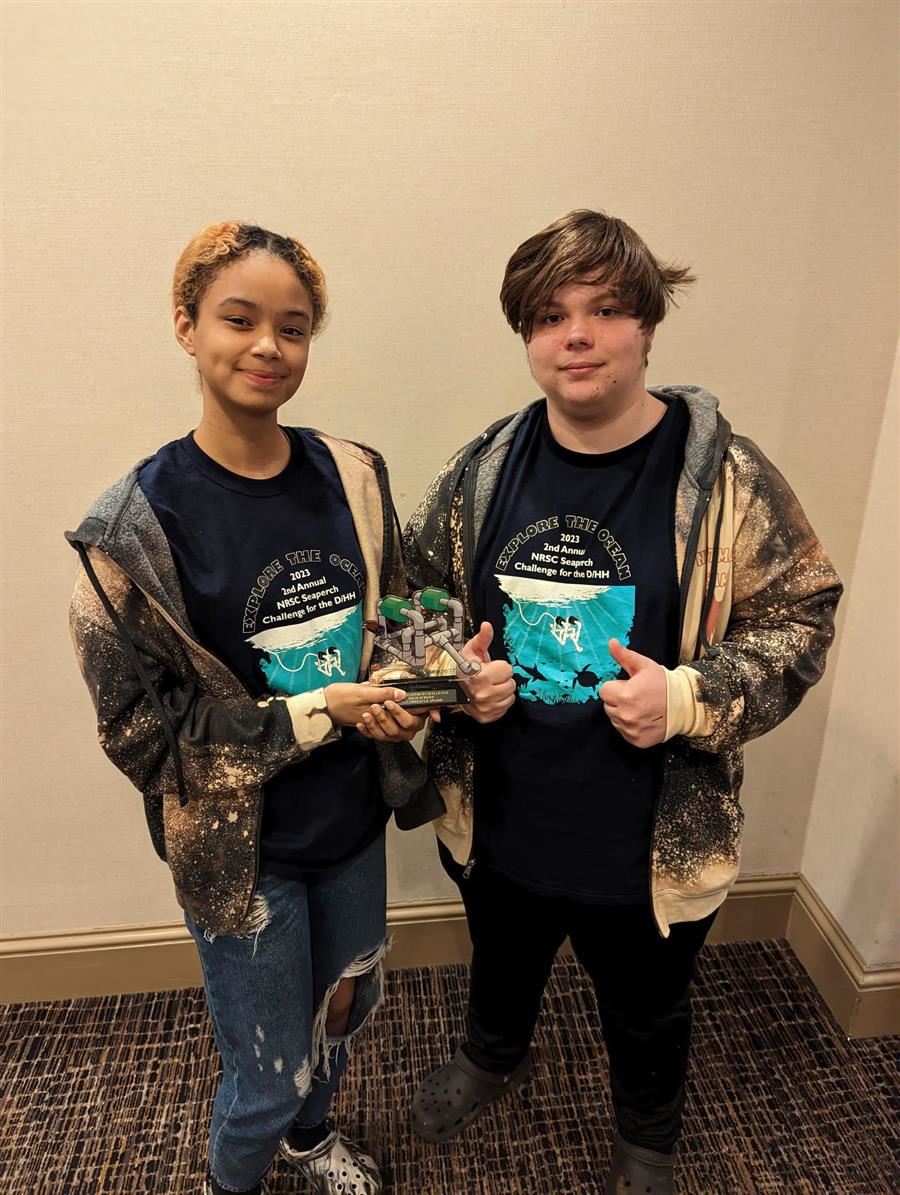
<point x="478" y="647"/>
<point x="492" y="690"/>
<point x="637" y="706"/>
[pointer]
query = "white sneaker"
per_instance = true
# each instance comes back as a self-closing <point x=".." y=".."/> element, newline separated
<point x="334" y="1167"/>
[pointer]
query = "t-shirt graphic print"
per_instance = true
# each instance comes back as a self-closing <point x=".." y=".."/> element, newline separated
<point x="556" y="631"/>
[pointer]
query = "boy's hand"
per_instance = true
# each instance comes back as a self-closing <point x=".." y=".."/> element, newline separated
<point x="637" y="706"/>
<point x="493" y="690"/>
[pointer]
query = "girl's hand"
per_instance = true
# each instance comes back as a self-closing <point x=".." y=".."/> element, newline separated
<point x="347" y="703"/>
<point x="390" y="723"/>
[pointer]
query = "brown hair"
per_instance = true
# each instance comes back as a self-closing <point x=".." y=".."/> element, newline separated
<point x="220" y="244"/>
<point x="591" y="245"/>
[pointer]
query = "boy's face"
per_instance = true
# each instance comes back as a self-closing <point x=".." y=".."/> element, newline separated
<point x="586" y="352"/>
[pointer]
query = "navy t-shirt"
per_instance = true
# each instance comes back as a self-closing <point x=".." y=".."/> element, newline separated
<point x="273" y="582"/>
<point x="576" y="549"/>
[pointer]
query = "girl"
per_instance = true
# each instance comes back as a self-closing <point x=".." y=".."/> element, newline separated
<point x="219" y="624"/>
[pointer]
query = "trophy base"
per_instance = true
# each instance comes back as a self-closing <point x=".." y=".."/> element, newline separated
<point x="430" y="692"/>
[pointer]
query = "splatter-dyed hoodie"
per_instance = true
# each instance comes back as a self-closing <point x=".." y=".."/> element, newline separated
<point x="179" y="723"/>
<point x="757" y="602"/>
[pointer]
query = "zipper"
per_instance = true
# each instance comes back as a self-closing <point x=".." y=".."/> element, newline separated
<point x="469" y="481"/>
<point x="690" y="555"/>
<point x="387" y="522"/>
<point x="656" y="801"/>
<point x="467" y="477"/>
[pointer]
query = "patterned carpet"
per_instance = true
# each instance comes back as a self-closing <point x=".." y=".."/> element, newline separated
<point x="109" y="1096"/>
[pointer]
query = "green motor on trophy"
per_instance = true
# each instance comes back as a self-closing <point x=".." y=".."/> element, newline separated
<point x="423" y="634"/>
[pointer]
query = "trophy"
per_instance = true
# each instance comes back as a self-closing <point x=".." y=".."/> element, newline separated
<point x="424" y="634"/>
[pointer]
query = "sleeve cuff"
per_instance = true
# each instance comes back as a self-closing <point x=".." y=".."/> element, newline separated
<point x="685" y="714"/>
<point x="310" y="719"/>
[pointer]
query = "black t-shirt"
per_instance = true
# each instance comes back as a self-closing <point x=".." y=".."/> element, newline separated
<point x="576" y="549"/>
<point x="273" y="582"/>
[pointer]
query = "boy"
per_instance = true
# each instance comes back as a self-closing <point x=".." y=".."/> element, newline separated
<point x="659" y="599"/>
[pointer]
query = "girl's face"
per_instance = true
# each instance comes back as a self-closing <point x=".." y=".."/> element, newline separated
<point x="251" y="336"/>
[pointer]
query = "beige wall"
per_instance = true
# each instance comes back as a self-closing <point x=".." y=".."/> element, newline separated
<point x="850" y="855"/>
<point x="413" y="146"/>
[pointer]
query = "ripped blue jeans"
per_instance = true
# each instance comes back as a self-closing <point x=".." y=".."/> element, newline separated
<point x="268" y="990"/>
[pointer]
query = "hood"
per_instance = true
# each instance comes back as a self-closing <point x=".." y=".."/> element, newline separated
<point x="708" y="436"/>
<point x="122" y="524"/>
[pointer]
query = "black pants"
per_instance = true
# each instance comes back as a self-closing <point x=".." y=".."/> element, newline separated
<point x="642" y="983"/>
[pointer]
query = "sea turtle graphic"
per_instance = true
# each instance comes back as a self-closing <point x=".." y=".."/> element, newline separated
<point x="586" y="678"/>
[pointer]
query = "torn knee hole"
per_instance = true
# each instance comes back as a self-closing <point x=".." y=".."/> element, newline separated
<point x="347" y="1005"/>
<point x="337" y="1016"/>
